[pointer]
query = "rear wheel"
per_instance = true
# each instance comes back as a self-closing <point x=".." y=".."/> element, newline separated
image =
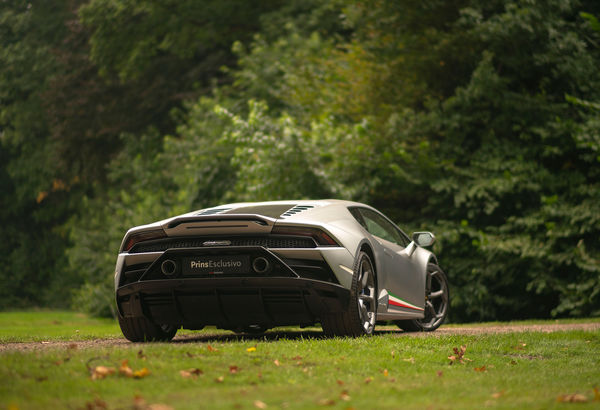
<point x="437" y="301"/>
<point x="140" y="329"/>
<point x="360" y="318"/>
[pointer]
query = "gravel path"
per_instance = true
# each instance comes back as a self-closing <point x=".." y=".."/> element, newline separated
<point x="276" y="335"/>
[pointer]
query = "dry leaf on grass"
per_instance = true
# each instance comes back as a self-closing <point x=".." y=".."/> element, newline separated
<point x="220" y="379"/>
<point x="572" y="398"/>
<point x="233" y="369"/>
<point x="480" y="369"/>
<point x="251" y="349"/>
<point x="139" y="374"/>
<point x="410" y="359"/>
<point x="211" y="349"/>
<point x="191" y="373"/>
<point x="276" y="362"/>
<point x="97" y="404"/>
<point x="100" y="372"/>
<point x="459" y="355"/>
<point x="596" y="394"/>
<point x="498" y="394"/>
<point x="368" y="380"/>
<point x="141" y="355"/>
<point x="386" y="373"/>
<point x="345" y="396"/>
<point x="326" y="402"/>
<point x="260" y="404"/>
<point x="341" y="383"/>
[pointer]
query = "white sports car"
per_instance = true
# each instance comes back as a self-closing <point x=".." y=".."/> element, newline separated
<point x="249" y="267"/>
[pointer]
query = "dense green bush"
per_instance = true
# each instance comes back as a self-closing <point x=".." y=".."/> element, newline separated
<point x="478" y="120"/>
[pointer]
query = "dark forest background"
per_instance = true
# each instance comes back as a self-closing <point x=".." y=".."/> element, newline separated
<point x="476" y="119"/>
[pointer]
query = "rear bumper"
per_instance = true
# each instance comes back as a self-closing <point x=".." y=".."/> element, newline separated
<point x="232" y="302"/>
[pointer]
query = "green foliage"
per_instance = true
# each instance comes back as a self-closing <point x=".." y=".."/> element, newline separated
<point x="476" y="119"/>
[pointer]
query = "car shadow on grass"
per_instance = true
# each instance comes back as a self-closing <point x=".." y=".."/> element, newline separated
<point x="270" y="336"/>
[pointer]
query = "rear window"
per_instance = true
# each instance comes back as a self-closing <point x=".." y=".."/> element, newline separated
<point x="272" y="211"/>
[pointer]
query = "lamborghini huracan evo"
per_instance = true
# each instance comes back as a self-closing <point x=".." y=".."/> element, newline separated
<point x="249" y="267"/>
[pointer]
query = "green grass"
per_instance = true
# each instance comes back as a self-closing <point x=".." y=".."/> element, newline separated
<point x="301" y="370"/>
<point x="32" y="326"/>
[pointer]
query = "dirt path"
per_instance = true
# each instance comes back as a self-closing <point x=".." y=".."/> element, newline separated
<point x="276" y="335"/>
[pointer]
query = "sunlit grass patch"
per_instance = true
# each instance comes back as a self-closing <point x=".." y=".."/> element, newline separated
<point x="300" y="369"/>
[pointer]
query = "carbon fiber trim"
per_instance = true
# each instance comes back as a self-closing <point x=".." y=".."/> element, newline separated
<point x="272" y="241"/>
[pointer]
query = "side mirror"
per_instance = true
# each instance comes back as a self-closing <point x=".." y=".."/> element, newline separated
<point x="423" y="239"/>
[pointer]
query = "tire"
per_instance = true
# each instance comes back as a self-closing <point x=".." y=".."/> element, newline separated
<point x="143" y="330"/>
<point x="359" y="319"/>
<point x="437" y="303"/>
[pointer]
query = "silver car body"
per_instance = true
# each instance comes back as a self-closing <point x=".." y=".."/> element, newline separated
<point x="401" y="268"/>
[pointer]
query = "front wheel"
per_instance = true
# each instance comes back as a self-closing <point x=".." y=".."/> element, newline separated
<point x="359" y="319"/>
<point x="437" y="302"/>
<point x="140" y="329"/>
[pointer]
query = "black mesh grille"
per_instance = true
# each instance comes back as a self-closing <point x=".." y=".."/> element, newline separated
<point x="274" y="241"/>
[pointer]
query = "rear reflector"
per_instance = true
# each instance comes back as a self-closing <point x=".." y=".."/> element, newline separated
<point x="143" y="236"/>
<point x="321" y="237"/>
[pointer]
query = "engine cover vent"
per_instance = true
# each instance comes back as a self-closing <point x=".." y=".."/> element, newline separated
<point x="296" y="209"/>
<point x="213" y="211"/>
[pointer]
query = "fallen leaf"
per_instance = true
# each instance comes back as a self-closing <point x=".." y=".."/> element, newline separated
<point x="440" y="373"/>
<point x="251" y="349"/>
<point x="385" y="373"/>
<point x="259" y="404"/>
<point x="572" y="398"/>
<point x="459" y="355"/>
<point x="512" y="362"/>
<point x="480" y="369"/>
<point x="141" y="355"/>
<point x="393" y="354"/>
<point x="345" y="396"/>
<point x="158" y="406"/>
<point x="45" y="343"/>
<point x="596" y="394"/>
<point x="341" y="383"/>
<point x="326" y="402"/>
<point x="297" y="358"/>
<point x="139" y="374"/>
<point x="96" y="404"/>
<point x="233" y="369"/>
<point x="191" y="373"/>
<point x="220" y="379"/>
<point x="100" y="372"/>
<point x="499" y="394"/>
<point x="276" y="362"/>
<point x="211" y="349"/>
<point x="410" y="359"/>
<point x="72" y="346"/>
<point x="368" y="380"/>
<point x="125" y="370"/>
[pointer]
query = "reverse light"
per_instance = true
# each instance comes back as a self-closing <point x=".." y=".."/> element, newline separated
<point x="321" y="237"/>
<point x="143" y="236"/>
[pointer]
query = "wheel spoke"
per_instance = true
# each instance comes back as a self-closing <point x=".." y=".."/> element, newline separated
<point x="430" y="308"/>
<point x="365" y="278"/>
<point x="435" y="295"/>
<point x="367" y="298"/>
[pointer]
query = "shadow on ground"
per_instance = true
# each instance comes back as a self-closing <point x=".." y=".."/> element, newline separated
<point x="271" y="336"/>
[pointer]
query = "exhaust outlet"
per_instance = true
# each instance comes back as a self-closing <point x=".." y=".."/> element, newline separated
<point x="261" y="265"/>
<point x="168" y="267"/>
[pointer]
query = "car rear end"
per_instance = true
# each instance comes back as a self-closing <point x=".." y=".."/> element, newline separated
<point x="233" y="267"/>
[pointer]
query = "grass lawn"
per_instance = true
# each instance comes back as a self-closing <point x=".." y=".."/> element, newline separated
<point x="296" y="369"/>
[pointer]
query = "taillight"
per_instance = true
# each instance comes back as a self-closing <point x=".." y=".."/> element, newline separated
<point x="143" y="236"/>
<point x="321" y="237"/>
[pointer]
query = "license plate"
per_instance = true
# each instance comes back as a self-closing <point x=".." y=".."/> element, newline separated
<point x="216" y="265"/>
